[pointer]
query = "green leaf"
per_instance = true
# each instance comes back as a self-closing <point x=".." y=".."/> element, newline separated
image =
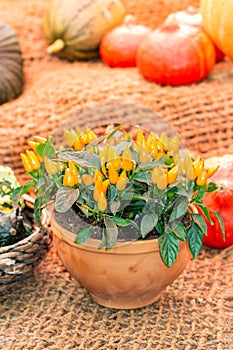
<point x="104" y="241"/>
<point x="41" y="202"/>
<point x="199" y="220"/>
<point x="83" y="158"/>
<point x="47" y="148"/>
<point x="111" y="232"/>
<point x="20" y="191"/>
<point x="195" y="239"/>
<point x="112" y="193"/>
<point x="205" y="211"/>
<point x="179" y="230"/>
<point x="124" y="222"/>
<point x="146" y="166"/>
<point x="220" y="221"/>
<point x="142" y="177"/>
<point x="201" y="193"/>
<point x="212" y="187"/>
<point x="113" y="132"/>
<point x="180" y="208"/>
<point x="83" y="235"/>
<point x="65" y="198"/>
<point x="168" y="246"/>
<point x="114" y="206"/>
<point x="148" y="223"/>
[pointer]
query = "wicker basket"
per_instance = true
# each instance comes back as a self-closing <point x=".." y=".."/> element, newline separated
<point x="17" y="261"/>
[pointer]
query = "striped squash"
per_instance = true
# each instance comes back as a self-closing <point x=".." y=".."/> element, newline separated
<point x="75" y="28"/>
<point x="218" y="23"/>
<point x="11" y="65"/>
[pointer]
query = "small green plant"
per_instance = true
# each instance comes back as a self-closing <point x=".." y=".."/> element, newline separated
<point x="13" y="224"/>
<point x="115" y="181"/>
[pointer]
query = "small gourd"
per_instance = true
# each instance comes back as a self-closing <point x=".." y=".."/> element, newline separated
<point x="11" y="65"/>
<point x="217" y="19"/>
<point x="75" y="28"/>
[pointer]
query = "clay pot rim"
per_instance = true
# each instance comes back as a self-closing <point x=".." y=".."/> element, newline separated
<point x="130" y="247"/>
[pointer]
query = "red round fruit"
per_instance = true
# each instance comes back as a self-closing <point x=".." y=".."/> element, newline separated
<point x="176" y="54"/>
<point x="119" y="46"/>
<point x="220" y="200"/>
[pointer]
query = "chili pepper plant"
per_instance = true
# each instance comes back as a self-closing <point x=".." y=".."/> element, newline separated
<point x="117" y="182"/>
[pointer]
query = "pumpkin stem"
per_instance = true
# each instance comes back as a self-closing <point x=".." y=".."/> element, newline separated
<point x="57" y="46"/>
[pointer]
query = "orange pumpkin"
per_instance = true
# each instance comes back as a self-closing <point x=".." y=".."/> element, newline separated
<point x="217" y="19"/>
<point x="119" y="46"/>
<point x="176" y="54"/>
<point x="192" y="16"/>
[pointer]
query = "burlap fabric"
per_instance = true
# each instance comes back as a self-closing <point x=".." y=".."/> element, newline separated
<point x="49" y="311"/>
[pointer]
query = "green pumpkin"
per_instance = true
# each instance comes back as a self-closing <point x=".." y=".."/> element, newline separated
<point x="75" y="28"/>
<point x="11" y="65"/>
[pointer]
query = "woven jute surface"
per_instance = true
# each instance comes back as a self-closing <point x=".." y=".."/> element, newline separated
<point x="49" y="310"/>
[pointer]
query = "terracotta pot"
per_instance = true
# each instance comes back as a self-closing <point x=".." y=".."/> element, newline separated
<point x="127" y="276"/>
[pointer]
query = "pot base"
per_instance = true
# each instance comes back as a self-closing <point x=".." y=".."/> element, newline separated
<point x="124" y="304"/>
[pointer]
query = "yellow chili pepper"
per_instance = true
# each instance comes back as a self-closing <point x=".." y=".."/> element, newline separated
<point x="90" y="135"/>
<point x="188" y="167"/>
<point x="159" y="154"/>
<point x="172" y="174"/>
<point x="212" y="171"/>
<point x="105" y="185"/>
<point x="98" y="189"/>
<point x="122" y="181"/>
<point x="112" y="174"/>
<point x="70" y="137"/>
<point x="174" y="144"/>
<point x="102" y="202"/>
<point x="33" y="159"/>
<point x="154" y="175"/>
<point x="77" y="145"/>
<point x="97" y="174"/>
<point x="198" y="166"/>
<point x="127" y="159"/>
<point x="87" y="179"/>
<point x="33" y="146"/>
<point x="74" y="169"/>
<point x="202" y="178"/>
<point x="26" y="163"/>
<point x="144" y="155"/>
<point x="40" y="139"/>
<point x="68" y="179"/>
<point x="140" y="138"/>
<point x="162" y="180"/>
